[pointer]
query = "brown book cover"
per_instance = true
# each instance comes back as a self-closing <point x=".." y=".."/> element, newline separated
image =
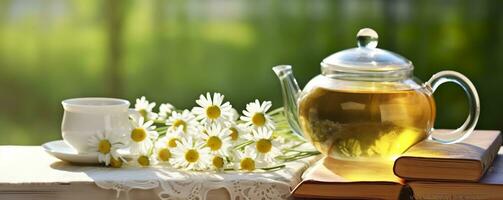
<point x="489" y="187"/>
<point x="464" y="161"/>
<point x="336" y="179"/>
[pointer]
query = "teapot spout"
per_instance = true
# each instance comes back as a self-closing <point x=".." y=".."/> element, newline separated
<point x="290" y="90"/>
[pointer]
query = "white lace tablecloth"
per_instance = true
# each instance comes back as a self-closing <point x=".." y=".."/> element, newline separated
<point x="30" y="167"/>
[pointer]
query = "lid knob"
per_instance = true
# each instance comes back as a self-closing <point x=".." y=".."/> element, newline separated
<point x="367" y="38"/>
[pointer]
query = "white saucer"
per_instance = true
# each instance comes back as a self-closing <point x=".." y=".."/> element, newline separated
<point x="63" y="151"/>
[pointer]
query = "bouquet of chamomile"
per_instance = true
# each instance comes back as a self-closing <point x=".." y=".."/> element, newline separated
<point x="210" y="136"/>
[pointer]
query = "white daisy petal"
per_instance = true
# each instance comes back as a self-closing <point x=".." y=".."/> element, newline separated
<point x="217" y="139"/>
<point x="165" y="111"/>
<point x="187" y="155"/>
<point x="144" y="108"/>
<point x="256" y="115"/>
<point x="106" y="143"/>
<point x="141" y="136"/>
<point x="211" y="110"/>
<point x="185" y="120"/>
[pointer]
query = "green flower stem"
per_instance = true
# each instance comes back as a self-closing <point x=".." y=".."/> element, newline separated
<point x="299" y="157"/>
<point x="161" y="133"/>
<point x="276" y="111"/>
<point x="163" y="122"/>
<point x="263" y="168"/>
<point x="299" y="151"/>
<point x="297" y="145"/>
<point x="296" y="156"/>
<point x="151" y="150"/>
<point x="244" y="144"/>
<point x="161" y="128"/>
<point x="273" y="167"/>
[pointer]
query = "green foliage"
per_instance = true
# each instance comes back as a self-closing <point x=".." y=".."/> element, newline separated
<point x="175" y="50"/>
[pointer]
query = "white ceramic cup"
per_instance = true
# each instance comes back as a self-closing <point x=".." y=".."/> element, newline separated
<point x="85" y="117"/>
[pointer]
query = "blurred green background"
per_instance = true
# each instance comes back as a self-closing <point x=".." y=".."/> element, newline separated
<point x="171" y="51"/>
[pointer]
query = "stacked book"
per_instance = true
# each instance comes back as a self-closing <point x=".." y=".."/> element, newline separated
<point x="471" y="169"/>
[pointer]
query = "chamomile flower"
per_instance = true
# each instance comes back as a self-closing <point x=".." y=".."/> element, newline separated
<point x="169" y="140"/>
<point x="217" y="139"/>
<point x="165" y="110"/>
<point x="106" y="144"/>
<point x="141" y="136"/>
<point x="116" y="162"/>
<point x="145" y="108"/>
<point x="218" y="162"/>
<point x="265" y="146"/>
<point x="256" y="115"/>
<point x="143" y="160"/>
<point x="212" y="110"/>
<point x="247" y="160"/>
<point x="238" y="132"/>
<point x="191" y="155"/>
<point x="163" y="154"/>
<point x="186" y="120"/>
<point x="164" y="145"/>
<point x="235" y="115"/>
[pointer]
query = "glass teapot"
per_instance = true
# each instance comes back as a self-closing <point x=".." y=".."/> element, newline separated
<point x="366" y="103"/>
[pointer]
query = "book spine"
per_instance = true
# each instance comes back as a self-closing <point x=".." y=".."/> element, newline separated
<point x="442" y="195"/>
<point x="490" y="155"/>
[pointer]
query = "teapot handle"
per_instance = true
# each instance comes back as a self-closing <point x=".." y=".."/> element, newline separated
<point x="473" y="102"/>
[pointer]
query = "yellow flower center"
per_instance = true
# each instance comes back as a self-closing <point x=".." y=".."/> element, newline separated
<point x="164" y="154"/>
<point x="138" y="134"/>
<point x="214" y="143"/>
<point x="191" y="155"/>
<point x="263" y="145"/>
<point x="143" y="161"/>
<point x="218" y="162"/>
<point x="258" y="119"/>
<point x="172" y="142"/>
<point x="104" y="146"/>
<point x="115" y="163"/>
<point x="177" y="123"/>
<point x="247" y="164"/>
<point x="213" y="112"/>
<point x="143" y="113"/>
<point x="234" y="134"/>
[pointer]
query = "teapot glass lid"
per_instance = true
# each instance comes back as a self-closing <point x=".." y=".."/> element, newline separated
<point x="366" y="58"/>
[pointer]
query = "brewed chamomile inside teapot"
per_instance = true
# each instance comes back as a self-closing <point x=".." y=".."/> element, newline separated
<point x="367" y="104"/>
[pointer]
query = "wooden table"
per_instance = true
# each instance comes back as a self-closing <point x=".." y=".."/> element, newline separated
<point x="27" y="172"/>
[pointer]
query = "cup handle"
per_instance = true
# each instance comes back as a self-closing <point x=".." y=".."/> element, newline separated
<point x="473" y="102"/>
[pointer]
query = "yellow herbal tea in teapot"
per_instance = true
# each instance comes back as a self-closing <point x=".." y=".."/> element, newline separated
<point x="366" y="103"/>
<point x="365" y="124"/>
